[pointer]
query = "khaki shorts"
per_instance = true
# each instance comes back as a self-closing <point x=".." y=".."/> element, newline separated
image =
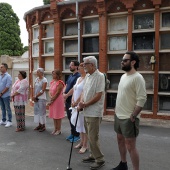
<point x="126" y="127"/>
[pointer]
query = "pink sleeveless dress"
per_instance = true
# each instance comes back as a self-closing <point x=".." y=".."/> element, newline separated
<point x="56" y="109"/>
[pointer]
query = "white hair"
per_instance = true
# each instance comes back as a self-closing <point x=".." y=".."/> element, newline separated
<point x="40" y="70"/>
<point x="91" y="59"/>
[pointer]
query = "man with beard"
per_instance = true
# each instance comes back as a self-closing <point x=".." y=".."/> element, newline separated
<point x="68" y="95"/>
<point x="131" y="97"/>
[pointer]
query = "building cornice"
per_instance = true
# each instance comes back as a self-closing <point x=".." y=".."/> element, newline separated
<point x="34" y="9"/>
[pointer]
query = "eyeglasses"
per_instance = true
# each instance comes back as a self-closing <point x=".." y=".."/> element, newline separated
<point x="125" y="60"/>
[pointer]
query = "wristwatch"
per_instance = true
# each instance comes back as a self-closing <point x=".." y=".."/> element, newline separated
<point x="1" y="93"/>
<point x="134" y="116"/>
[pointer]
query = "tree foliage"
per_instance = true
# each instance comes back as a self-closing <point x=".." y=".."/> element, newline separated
<point x="10" y="42"/>
<point x="26" y="48"/>
<point x="46" y="2"/>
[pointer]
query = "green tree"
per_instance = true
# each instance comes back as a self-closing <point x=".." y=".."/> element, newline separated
<point x="10" y="42"/>
<point x="26" y="48"/>
<point x="46" y="2"/>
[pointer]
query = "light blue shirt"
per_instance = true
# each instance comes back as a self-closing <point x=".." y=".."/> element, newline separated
<point x="5" y="81"/>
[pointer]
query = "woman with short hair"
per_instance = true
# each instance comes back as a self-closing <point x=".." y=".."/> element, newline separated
<point x="40" y="100"/>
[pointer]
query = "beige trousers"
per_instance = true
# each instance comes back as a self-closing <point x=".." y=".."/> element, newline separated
<point x="92" y="129"/>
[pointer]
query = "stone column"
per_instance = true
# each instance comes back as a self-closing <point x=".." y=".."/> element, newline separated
<point x="103" y="27"/>
<point x="130" y="29"/>
<point x="41" y="47"/>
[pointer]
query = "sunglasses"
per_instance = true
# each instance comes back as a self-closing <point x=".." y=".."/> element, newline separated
<point x="125" y="60"/>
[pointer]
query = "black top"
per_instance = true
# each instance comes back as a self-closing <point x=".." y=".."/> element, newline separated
<point x="71" y="81"/>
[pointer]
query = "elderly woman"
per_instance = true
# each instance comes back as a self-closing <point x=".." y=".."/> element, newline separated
<point x="56" y="104"/>
<point x="40" y="100"/>
<point x="19" y="96"/>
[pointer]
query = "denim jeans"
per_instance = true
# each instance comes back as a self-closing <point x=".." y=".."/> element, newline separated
<point x="5" y="107"/>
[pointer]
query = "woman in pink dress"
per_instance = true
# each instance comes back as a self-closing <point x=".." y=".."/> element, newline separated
<point x="56" y="104"/>
<point x="19" y="95"/>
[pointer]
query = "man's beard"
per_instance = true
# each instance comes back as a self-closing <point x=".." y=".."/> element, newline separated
<point x="72" y="69"/>
<point x="126" y="68"/>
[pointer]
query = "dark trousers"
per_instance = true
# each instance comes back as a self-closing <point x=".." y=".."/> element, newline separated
<point x="73" y="128"/>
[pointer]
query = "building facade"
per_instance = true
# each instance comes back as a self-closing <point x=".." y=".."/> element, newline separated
<point x="16" y="64"/>
<point x="107" y="29"/>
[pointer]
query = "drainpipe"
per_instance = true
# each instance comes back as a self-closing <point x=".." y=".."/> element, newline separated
<point x="78" y="20"/>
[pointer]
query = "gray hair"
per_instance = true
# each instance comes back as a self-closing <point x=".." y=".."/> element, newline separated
<point x="91" y="59"/>
<point x="40" y="70"/>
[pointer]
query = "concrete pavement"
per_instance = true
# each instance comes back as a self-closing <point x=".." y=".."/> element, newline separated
<point x="32" y="150"/>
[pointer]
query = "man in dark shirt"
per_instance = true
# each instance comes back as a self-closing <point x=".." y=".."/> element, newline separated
<point x="68" y="95"/>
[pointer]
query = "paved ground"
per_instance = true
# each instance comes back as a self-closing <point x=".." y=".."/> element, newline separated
<point x="31" y="150"/>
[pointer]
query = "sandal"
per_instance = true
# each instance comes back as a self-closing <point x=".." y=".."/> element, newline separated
<point x="19" y="130"/>
<point x="38" y="127"/>
<point x="82" y="150"/>
<point x="57" y="133"/>
<point x="78" y="146"/>
<point x="42" y="129"/>
<point x="53" y="132"/>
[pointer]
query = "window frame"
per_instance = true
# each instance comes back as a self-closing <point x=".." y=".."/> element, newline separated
<point x="44" y="45"/>
<point x="140" y="28"/>
<point x="126" y="39"/>
<point x="84" y="27"/>
<point x="117" y="31"/>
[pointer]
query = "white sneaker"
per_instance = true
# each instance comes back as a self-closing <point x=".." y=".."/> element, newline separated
<point x="8" y="124"/>
<point x="3" y="123"/>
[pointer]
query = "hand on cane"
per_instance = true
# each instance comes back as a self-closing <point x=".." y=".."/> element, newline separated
<point x="81" y="106"/>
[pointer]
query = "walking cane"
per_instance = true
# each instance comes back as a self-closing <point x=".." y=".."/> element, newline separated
<point x="68" y="167"/>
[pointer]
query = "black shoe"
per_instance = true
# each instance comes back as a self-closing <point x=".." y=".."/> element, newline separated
<point x="97" y="165"/>
<point x="88" y="160"/>
<point x="121" y="166"/>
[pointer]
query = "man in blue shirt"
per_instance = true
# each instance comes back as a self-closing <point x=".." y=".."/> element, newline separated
<point x="68" y="95"/>
<point x="5" y="84"/>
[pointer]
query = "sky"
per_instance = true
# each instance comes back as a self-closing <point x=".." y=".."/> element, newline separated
<point x="20" y="7"/>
